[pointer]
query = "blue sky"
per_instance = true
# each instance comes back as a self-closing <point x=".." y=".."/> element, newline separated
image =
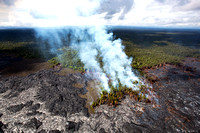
<point x="45" y="13"/>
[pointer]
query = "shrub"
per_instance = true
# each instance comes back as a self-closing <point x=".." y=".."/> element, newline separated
<point x="114" y="97"/>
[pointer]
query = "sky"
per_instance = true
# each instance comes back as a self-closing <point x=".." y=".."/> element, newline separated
<point x="46" y="13"/>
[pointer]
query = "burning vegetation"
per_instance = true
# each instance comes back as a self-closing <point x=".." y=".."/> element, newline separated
<point x="116" y="94"/>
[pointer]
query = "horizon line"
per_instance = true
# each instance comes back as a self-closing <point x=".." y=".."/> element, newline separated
<point x="109" y="26"/>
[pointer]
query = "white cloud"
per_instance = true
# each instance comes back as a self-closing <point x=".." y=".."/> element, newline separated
<point x="190" y="6"/>
<point x="165" y="13"/>
<point x="143" y="13"/>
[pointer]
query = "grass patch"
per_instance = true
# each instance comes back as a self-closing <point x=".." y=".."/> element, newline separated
<point x="155" y="55"/>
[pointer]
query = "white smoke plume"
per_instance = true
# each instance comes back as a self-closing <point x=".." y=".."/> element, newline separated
<point x="93" y="38"/>
<point x="116" y="63"/>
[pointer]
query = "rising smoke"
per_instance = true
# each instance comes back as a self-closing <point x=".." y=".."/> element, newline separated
<point x="116" y="63"/>
<point x="91" y="41"/>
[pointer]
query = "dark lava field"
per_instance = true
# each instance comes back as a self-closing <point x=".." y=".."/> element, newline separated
<point x="45" y="102"/>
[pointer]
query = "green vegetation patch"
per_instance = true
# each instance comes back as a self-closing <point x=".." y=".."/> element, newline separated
<point x="22" y="49"/>
<point x="54" y="61"/>
<point x="114" y="97"/>
<point x="155" y="55"/>
<point x="68" y="59"/>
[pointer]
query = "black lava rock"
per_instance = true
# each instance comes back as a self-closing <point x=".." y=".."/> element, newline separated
<point x="35" y="107"/>
<point x="60" y="95"/>
<point x="1" y="115"/>
<point x="132" y="128"/>
<point x="16" y="108"/>
<point x="42" y="131"/>
<point x="72" y="126"/>
<point x="54" y="131"/>
<point x="102" y="130"/>
<point x="29" y="103"/>
<point x="33" y="123"/>
<point x="2" y="126"/>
